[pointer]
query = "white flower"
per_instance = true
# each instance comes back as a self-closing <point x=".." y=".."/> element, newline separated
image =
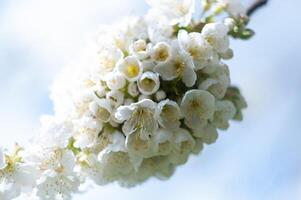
<point x="139" y="48"/>
<point x="133" y="89"/>
<point x="198" y="147"/>
<point x="16" y="178"/>
<point x="99" y="91"/>
<point x="162" y="142"/>
<point x="197" y="107"/>
<point x="159" y="30"/>
<point x="139" y="117"/>
<point x="227" y="55"/>
<point x="218" y="82"/>
<point x="216" y="34"/>
<point x="138" y="149"/>
<point x="116" y="144"/>
<point x="108" y="58"/>
<point x="16" y="175"/>
<point x="115" y="97"/>
<point x="234" y="7"/>
<point x="169" y="114"/>
<point x="86" y="131"/>
<point x="130" y="68"/>
<point x="179" y="66"/>
<point x="177" y="11"/>
<point x="183" y="145"/>
<point x="224" y="111"/>
<point x="140" y="124"/>
<point x="197" y="47"/>
<point x="161" y="52"/>
<point x="58" y="179"/>
<point x="54" y="132"/>
<point x="148" y="64"/>
<point x="115" y="81"/>
<point x="208" y="133"/>
<point x="125" y="33"/>
<point x="101" y="109"/>
<point x="233" y="95"/>
<point x="230" y="23"/>
<point x="160" y="95"/>
<point x="148" y="83"/>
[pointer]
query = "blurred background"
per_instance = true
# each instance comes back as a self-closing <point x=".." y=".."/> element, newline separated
<point x="258" y="159"/>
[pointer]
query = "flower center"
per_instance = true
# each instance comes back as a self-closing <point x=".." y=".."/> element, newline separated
<point x="179" y="67"/>
<point x="132" y="71"/>
<point x="147" y="84"/>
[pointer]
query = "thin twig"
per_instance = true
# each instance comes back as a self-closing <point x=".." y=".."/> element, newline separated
<point x="255" y="6"/>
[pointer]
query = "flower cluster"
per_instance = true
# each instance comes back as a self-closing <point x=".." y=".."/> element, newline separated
<point x="147" y="94"/>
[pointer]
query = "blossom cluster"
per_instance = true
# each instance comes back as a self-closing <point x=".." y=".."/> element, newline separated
<point x="148" y="93"/>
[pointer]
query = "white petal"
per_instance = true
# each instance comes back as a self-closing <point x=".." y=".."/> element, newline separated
<point x="208" y="134"/>
<point x="115" y="97"/>
<point x="197" y="106"/>
<point x="189" y="77"/>
<point x="124" y="112"/>
<point x="115" y="81"/>
<point x="183" y="38"/>
<point x="225" y="110"/>
<point x="166" y="70"/>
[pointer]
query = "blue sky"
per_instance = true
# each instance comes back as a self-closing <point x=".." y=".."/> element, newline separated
<point x="259" y="158"/>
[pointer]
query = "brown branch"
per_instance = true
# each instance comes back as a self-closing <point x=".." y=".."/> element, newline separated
<point x="255" y="6"/>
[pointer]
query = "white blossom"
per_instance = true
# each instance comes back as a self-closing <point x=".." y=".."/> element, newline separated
<point x="197" y="47"/>
<point x="117" y="143"/>
<point x="160" y="95"/>
<point x="163" y="142"/>
<point x="197" y="107"/>
<point x="115" y="81"/>
<point x="224" y="111"/>
<point x="169" y="114"/>
<point x="148" y="83"/>
<point x="182" y="146"/>
<point x="208" y="134"/>
<point x="108" y="58"/>
<point x="54" y="131"/>
<point x="234" y="7"/>
<point x="133" y="89"/>
<point x="115" y="97"/>
<point x="58" y="179"/>
<point x="140" y="49"/>
<point x="139" y="117"/>
<point x="159" y="30"/>
<point x="177" y="11"/>
<point x="218" y="82"/>
<point x="179" y="66"/>
<point x="230" y="23"/>
<point x="216" y="35"/>
<point x="101" y="109"/>
<point x="86" y="131"/>
<point x="161" y="52"/>
<point x="15" y="175"/>
<point x="130" y="68"/>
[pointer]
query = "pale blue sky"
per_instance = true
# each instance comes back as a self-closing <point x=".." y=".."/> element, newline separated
<point x="258" y="159"/>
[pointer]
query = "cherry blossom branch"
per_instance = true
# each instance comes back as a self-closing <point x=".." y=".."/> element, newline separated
<point x="255" y="6"/>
